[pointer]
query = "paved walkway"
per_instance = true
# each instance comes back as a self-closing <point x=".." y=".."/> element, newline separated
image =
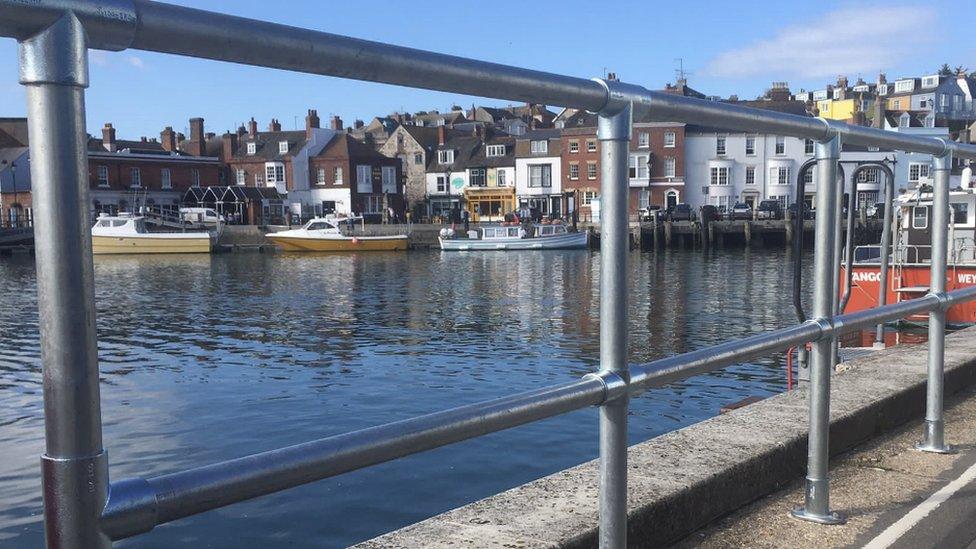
<point x="893" y="496"/>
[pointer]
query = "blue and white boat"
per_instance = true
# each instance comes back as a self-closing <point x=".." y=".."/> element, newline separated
<point x="514" y="237"/>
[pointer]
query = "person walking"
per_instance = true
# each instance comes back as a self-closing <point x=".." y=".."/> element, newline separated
<point x="466" y="217"/>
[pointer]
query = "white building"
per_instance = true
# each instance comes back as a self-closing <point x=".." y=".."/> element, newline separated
<point x="538" y="171"/>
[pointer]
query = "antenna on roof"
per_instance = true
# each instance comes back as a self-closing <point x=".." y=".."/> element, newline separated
<point x="679" y="73"/>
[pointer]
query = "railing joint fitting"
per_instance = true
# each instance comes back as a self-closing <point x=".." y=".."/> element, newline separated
<point x="614" y="385"/>
<point x="825" y="325"/>
<point x="943" y="299"/>
<point x="942" y="161"/>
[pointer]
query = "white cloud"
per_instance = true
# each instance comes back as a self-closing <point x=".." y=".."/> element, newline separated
<point x="845" y="41"/>
<point x="109" y="59"/>
<point x="136" y="62"/>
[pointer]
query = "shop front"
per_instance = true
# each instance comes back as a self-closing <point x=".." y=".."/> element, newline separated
<point x="489" y="203"/>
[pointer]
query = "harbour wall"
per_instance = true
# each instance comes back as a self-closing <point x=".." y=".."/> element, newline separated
<point x="681" y="481"/>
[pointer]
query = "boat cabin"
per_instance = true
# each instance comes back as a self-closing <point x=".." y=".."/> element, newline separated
<point x="916" y="227"/>
<point x="119" y="225"/>
<point x="517" y="231"/>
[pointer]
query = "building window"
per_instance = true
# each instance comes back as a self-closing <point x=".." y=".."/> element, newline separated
<point x="719" y="176"/>
<point x="282" y="147"/>
<point x="638" y="166"/>
<point x="374" y="204"/>
<point x="479" y="177"/>
<point x="573" y="147"/>
<point x="930" y="81"/>
<point x="274" y="173"/>
<point x="808" y="146"/>
<point x="591" y="145"/>
<point x="258" y="179"/>
<point x="574" y="171"/>
<point x="388" y="179"/>
<point x="539" y="147"/>
<point x="750" y="145"/>
<point x="418" y="159"/>
<point x="720" y="145"/>
<point x="500" y="178"/>
<point x="644" y="199"/>
<point x="136" y="177"/>
<point x="495" y="150"/>
<point x="241" y="177"/>
<point x="780" y="145"/>
<point x="166" y="180"/>
<point x="445" y="157"/>
<point x="750" y="175"/>
<point x="591" y="170"/>
<point x="904" y="86"/>
<point x="904" y="120"/>
<point x="920" y="217"/>
<point x="808" y="176"/>
<point x="441" y="184"/>
<point x="320" y="176"/>
<point x="364" y="178"/>
<point x="917" y="171"/>
<point x="669" y="140"/>
<point x="252" y="148"/>
<point x="779" y="176"/>
<point x="669" y="167"/>
<point x="960" y="213"/>
<point x="194" y="178"/>
<point x="867" y="175"/>
<point x="540" y="175"/>
<point x="643" y="140"/>
<point x="103" y="176"/>
<point x="588" y="197"/>
<point x="896" y="104"/>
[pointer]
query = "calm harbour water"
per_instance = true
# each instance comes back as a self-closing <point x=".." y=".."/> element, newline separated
<point x="209" y="358"/>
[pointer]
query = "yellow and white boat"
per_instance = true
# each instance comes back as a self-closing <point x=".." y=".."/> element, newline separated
<point x="127" y="234"/>
<point x="323" y="235"/>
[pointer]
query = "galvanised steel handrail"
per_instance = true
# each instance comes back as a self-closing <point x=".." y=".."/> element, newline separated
<point x="82" y="509"/>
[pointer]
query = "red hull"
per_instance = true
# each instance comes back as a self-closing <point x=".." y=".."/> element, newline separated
<point x="913" y="283"/>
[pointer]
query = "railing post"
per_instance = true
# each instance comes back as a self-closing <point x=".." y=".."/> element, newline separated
<point x="934" y="436"/>
<point x="885" y="253"/>
<point x="817" y="502"/>
<point x="614" y="134"/>
<point x="54" y="69"/>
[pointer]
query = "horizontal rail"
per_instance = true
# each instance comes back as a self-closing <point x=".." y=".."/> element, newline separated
<point x="137" y="505"/>
<point x="164" y="28"/>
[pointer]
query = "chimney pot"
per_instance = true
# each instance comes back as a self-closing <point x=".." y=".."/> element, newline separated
<point x="252" y="127"/>
<point x="441" y="135"/>
<point x="108" y="137"/>
<point x="335" y="123"/>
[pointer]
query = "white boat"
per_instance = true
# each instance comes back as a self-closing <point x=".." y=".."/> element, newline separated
<point x="323" y="235"/>
<point x="127" y="234"/>
<point x="514" y="237"/>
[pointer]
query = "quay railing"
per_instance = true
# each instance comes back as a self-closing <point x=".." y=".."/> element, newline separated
<point x="83" y="509"/>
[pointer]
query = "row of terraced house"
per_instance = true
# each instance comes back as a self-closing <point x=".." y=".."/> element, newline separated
<point x="491" y="161"/>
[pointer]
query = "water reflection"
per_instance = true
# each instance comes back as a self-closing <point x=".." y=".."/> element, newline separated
<point x="208" y="358"/>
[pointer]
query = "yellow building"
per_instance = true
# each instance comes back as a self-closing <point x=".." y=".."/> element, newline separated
<point x="837" y="109"/>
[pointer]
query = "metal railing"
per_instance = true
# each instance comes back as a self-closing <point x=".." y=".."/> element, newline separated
<point x="81" y="507"/>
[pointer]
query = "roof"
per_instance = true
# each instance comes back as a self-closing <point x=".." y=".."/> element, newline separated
<point x="144" y="147"/>
<point x="267" y="145"/>
<point x="798" y="108"/>
<point x="10" y="154"/>
<point x="536" y="135"/>
<point x="464" y="147"/>
<point x="13" y="132"/>
<point x="916" y="119"/>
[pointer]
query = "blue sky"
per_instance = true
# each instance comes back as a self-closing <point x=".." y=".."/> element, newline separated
<point x="737" y="47"/>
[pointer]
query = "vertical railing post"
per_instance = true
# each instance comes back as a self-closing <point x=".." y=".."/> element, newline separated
<point x="613" y="131"/>
<point x="885" y="252"/>
<point x="54" y="69"/>
<point x="817" y="502"/>
<point x="934" y="436"/>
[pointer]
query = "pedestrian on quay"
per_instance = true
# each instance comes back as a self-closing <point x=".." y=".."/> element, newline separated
<point x="466" y="217"/>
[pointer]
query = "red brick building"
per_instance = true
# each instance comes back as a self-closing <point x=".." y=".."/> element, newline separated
<point x="581" y="161"/>
<point x="656" y="168"/>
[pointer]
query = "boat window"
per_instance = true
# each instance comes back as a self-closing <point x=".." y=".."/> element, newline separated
<point x="317" y="226"/>
<point x="118" y="222"/>
<point x="920" y="217"/>
<point x="559" y="229"/>
<point x="546" y="231"/>
<point x="513" y="231"/>
<point x="960" y="213"/>
<point x="104" y="223"/>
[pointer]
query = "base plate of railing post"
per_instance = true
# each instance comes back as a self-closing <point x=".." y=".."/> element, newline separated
<point x="832" y="518"/>
<point x="923" y="446"/>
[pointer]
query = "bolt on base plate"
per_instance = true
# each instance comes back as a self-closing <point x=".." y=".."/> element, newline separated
<point x="832" y="518"/>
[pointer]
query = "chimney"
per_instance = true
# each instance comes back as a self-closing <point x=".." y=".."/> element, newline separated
<point x="879" y="111"/>
<point x="441" y="135"/>
<point x="882" y="79"/>
<point x="336" y="123"/>
<point x="168" y="139"/>
<point x="195" y="145"/>
<point x="358" y="124"/>
<point x="230" y="146"/>
<point x="180" y="138"/>
<point x="210" y="135"/>
<point x="311" y="122"/>
<point x="274" y="125"/>
<point x="252" y="127"/>
<point x="108" y="138"/>
<point x="240" y="132"/>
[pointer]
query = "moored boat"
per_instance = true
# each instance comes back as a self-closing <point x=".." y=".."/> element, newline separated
<point x="910" y="258"/>
<point x="514" y="237"/>
<point x="127" y="234"/>
<point x="323" y="235"/>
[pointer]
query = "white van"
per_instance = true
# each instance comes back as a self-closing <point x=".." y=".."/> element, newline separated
<point x="201" y="215"/>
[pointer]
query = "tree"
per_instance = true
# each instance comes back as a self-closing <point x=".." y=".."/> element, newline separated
<point x="946" y="70"/>
<point x="960" y="70"/>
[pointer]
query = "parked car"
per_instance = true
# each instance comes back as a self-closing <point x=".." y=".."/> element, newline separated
<point x="807" y="212"/>
<point x="769" y="209"/>
<point x="740" y="211"/>
<point x="201" y="215"/>
<point x="708" y="213"/>
<point x="648" y="213"/>
<point x="680" y="212"/>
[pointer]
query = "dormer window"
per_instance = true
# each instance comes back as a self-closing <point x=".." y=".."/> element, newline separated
<point x="539" y="147"/>
<point x="282" y="147"/>
<point x="904" y="120"/>
<point x="930" y="81"/>
<point x="252" y="148"/>
<point x="445" y="157"/>
<point x="499" y="150"/>
<point x="904" y="86"/>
